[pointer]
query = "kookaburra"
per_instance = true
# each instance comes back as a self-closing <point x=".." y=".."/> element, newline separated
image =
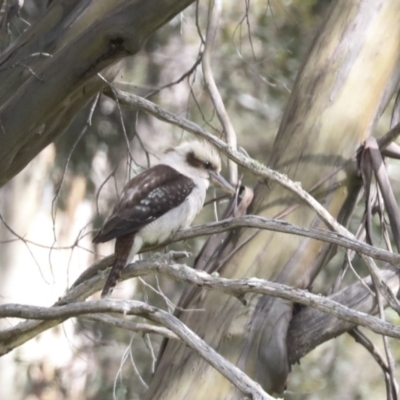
<point x="159" y="201"/>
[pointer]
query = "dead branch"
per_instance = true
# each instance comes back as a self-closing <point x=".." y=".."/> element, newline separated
<point x="22" y="332"/>
<point x="359" y="337"/>
<point x="12" y="337"/>
<point x="257" y="222"/>
<point x="131" y="326"/>
<point x="214" y="12"/>
<point x="262" y="171"/>
<point x="131" y="307"/>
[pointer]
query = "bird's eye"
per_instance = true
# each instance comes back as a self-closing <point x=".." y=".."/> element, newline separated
<point x="207" y="164"/>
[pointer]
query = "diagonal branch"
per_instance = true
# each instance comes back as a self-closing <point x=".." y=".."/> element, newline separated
<point x="254" y="166"/>
<point x="234" y="287"/>
<point x="19" y="334"/>
<point x="311" y="327"/>
<point x="257" y="222"/>
<point x="131" y="307"/>
<point x="382" y="178"/>
<point x="262" y="171"/>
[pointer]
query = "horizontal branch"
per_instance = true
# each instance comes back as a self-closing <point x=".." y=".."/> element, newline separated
<point x="239" y="287"/>
<point x="308" y="328"/>
<point x="131" y="326"/>
<point x="304" y="322"/>
<point x="131" y="307"/>
<point x="235" y="287"/>
<point x="261" y="171"/>
<point x="17" y="335"/>
<point x="85" y="286"/>
<point x="254" y="221"/>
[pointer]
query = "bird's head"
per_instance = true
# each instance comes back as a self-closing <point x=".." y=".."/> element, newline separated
<point x="200" y="161"/>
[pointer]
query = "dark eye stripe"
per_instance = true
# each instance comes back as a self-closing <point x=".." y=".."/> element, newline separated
<point x="193" y="161"/>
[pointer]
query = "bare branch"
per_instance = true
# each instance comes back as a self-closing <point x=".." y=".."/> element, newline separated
<point x="16" y="335"/>
<point x="131" y="326"/>
<point x="254" y="166"/>
<point x="389" y="137"/>
<point x="214" y="12"/>
<point x="235" y="287"/>
<point x="359" y="337"/>
<point x="185" y="75"/>
<point x="255" y="221"/>
<point x="248" y="221"/>
<point x="132" y="307"/>
<point x="262" y="171"/>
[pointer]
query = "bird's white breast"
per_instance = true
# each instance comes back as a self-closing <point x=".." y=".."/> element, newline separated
<point x="177" y="218"/>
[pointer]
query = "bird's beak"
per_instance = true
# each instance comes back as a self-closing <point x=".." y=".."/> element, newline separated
<point x="220" y="182"/>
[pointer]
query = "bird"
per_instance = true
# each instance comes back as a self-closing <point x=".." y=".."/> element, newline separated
<point x="159" y="201"/>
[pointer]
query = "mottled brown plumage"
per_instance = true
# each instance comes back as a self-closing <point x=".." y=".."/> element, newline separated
<point x="160" y="201"/>
<point x="145" y="198"/>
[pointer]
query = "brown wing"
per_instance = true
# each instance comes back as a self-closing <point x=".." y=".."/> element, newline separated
<point x="145" y="198"/>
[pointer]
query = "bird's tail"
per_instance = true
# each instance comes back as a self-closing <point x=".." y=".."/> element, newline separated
<point x="123" y="246"/>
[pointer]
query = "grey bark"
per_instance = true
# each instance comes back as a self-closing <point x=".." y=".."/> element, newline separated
<point x="83" y="38"/>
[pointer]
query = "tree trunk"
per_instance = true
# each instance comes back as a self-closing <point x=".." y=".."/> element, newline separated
<point x="51" y="71"/>
<point x="344" y="85"/>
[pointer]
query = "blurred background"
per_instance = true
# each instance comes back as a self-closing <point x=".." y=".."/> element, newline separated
<point x="50" y="210"/>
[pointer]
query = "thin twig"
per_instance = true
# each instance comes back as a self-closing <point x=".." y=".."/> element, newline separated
<point x="57" y="194"/>
<point x="185" y="75"/>
<point x="393" y="387"/>
<point x="142" y="381"/>
<point x="350" y="264"/>
<point x="131" y="326"/>
<point x="389" y="137"/>
<point x="149" y="346"/>
<point x="215" y="7"/>
<point x="25" y="242"/>
<point x="359" y="337"/>
<point x="120" y="116"/>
